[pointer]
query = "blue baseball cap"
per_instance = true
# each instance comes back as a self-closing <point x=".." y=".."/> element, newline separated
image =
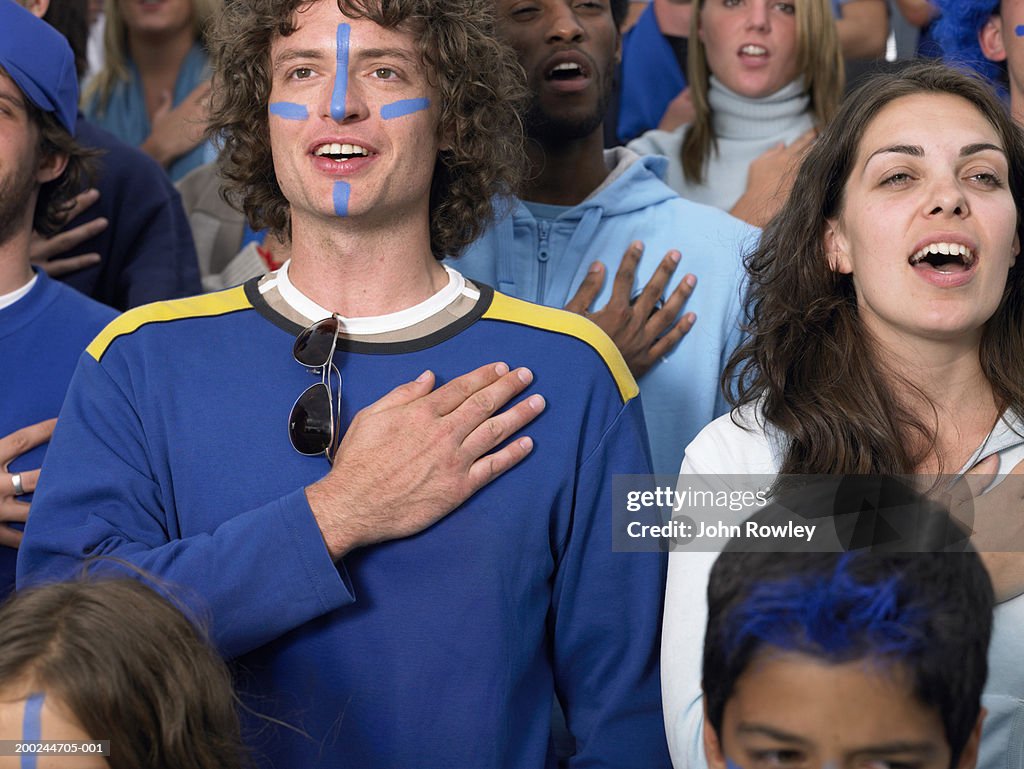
<point x="40" y="62"/>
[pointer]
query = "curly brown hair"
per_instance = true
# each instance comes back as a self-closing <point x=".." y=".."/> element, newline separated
<point x="481" y="88"/>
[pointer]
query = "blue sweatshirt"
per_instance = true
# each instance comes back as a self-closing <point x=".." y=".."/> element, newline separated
<point x="444" y="649"/>
<point x="545" y="261"/>
<point x="42" y="335"/>
<point x="146" y="251"/>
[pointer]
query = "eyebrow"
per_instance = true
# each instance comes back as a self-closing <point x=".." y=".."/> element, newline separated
<point x="922" y="748"/>
<point x="386" y="53"/>
<point x="915" y="151"/>
<point x="771" y="731"/>
<point x="299" y="53"/>
<point x="14" y="100"/>
<point x="886" y="748"/>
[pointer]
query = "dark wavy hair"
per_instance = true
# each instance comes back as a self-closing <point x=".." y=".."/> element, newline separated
<point x="56" y="197"/>
<point x="129" y="667"/>
<point x="482" y="89"/>
<point x="807" y="360"/>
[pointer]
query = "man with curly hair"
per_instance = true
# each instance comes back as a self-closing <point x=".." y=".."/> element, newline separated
<point x="411" y="604"/>
<point x="583" y="207"/>
<point x="44" y="325"/>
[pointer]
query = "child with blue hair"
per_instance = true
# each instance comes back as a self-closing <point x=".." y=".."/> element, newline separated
<point x="845" y="660"/>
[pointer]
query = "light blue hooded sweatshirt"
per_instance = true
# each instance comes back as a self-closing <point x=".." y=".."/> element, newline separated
<point x="545" y="261"/>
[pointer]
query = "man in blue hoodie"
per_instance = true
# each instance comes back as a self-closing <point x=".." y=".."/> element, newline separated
<point x="584" y="207"/>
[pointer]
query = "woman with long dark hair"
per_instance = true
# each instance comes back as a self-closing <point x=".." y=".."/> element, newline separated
<point x="885" y="336"/>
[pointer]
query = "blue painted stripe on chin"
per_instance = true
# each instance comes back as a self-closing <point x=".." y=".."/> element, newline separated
<point x="341" y="190"/>
<point x="289" y="110"/>
<point x="403" y="107"/>
<point x="32" y="728"/>
<point x="341" y="74"/>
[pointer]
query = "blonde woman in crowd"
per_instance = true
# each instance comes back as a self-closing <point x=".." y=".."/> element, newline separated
<point x="152" y="89"/>
<point x="765" y="75"/>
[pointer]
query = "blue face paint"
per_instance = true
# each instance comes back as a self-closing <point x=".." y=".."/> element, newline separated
<point x="341" y="74"/>
<point x="403" y="107"/>
<point x="341" y="190"/>
<point x="289" y="111"/>
<point x="32" y="727"/>
<point x="1019" y="30"/>
<point x="730" y="764"/>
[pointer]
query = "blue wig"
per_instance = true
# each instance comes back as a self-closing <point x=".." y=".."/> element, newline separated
<point x="956" y="30"/>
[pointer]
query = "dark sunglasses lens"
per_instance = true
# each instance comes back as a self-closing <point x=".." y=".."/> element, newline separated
<point x="309" y="424"/>
<point x="313" y="345"/>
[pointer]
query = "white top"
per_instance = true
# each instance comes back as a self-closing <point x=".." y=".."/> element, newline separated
<point x="745" y="128"/>
<point x="725" y="447"/>
<point x="376" y="324"/>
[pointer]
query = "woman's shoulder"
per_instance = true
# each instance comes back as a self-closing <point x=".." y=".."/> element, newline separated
<point x="736" y="443"/>
<point x="657" y="142"/>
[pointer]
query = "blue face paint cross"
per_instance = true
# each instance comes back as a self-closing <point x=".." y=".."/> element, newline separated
<point x="289" y="110"/>
<point x="339" y="94"/>
<point x="403" y="107"/>
<point x="32" y="727"/>
<point x="341" y="74"/>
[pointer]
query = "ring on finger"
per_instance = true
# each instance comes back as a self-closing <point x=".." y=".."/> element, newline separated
<point x="19" y="489"/>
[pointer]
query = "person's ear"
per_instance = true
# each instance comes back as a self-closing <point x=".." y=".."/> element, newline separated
<point x="836" y="247"/>
<point x="969" y="755"/>
<point x="990" y="38"/>
<point x="1016" y="249"/>
<point x="713" y="745"/>
<point x="51" y="166"/>
<point x="38" y="8"/>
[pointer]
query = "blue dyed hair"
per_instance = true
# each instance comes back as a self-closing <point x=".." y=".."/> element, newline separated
<point x="929" y="613"/>
<point x="956" y="30"/>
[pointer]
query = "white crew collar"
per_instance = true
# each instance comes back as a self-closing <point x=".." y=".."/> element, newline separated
<point x="10" y="298"/>
<point x="373" y="324"/>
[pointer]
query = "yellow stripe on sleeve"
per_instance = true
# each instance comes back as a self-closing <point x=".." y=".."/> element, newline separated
<point x="560" y="321"/>
<point x="202" y="306"/>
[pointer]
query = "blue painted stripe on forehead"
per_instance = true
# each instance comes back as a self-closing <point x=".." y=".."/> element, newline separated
<point x="403" y="107"/>
<point x="341" y="74"/>
<point x="341" y="190"/>
<point x="32" y="728"/>
<point x="289" y="110"/>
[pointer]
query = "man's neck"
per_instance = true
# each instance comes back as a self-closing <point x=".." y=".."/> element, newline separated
<point x="565" y="174"/>
<point x="15" y="271"/>
<point x="360" y="269"/>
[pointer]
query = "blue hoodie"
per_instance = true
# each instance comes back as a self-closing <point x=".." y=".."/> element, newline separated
<point x="546" y="261"/>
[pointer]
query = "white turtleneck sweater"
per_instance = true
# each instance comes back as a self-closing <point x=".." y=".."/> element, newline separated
<point x="745" y="128"/>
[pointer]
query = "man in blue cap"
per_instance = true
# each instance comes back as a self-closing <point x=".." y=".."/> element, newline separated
<point x="44" y="326"/>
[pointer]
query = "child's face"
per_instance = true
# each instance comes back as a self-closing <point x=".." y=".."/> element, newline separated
<point x="794" y="711"/>
<point x="26" y="719"/>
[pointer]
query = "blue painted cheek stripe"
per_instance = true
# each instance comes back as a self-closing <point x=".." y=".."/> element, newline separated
<point x="1019" y="30"/>
<point x="341" y="190"/>
<point x="341" y="74"/>
<point x="32" y="728"/>
<point x="289" y="111"/>
<point x="404" y="107"/>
